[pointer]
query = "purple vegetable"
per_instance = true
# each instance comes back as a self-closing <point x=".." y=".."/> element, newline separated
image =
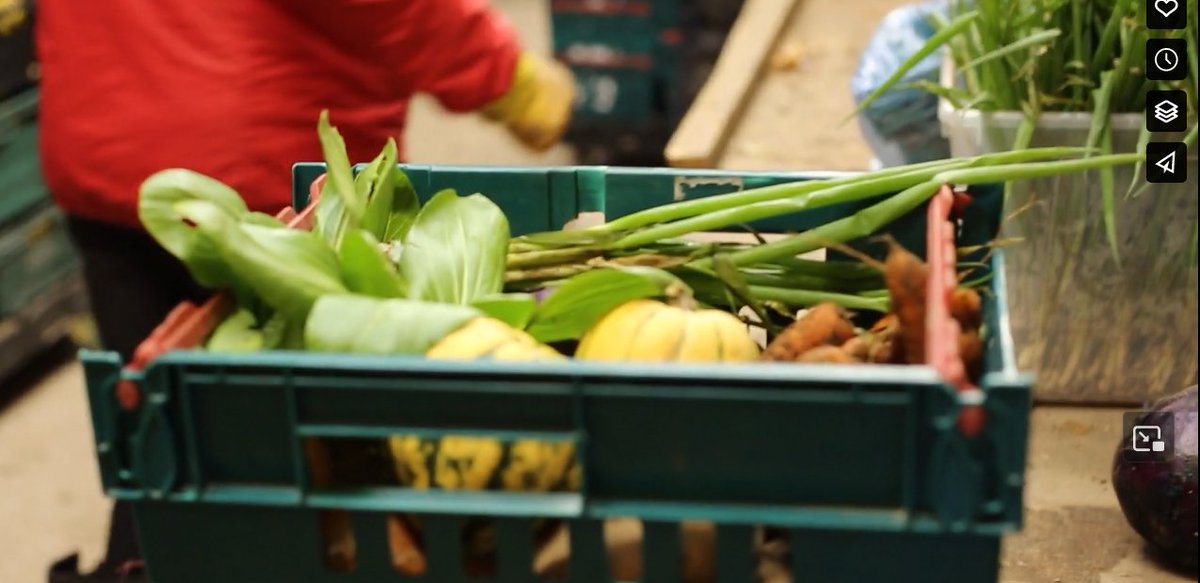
<point x="540" y="294"/>
<point x="1158" y="496"/>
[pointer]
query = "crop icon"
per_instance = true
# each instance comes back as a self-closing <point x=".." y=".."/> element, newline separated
<point x="1148" y="438"/>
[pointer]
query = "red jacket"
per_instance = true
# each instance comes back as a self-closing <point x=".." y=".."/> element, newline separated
<point x="233" y="88"/>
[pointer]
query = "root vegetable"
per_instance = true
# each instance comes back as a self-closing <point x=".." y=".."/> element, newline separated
<point x="967" y="307"/>
<point x="827" y="354"/>
<point x="1158" y="495"/>
<point x="823" y="324"/>
<point x="404" y="547"/>
<point x="858" y="348"/>
<point x="882" y="348"/>
<point x="906" y="277"/>
<point x="970" y="349"/>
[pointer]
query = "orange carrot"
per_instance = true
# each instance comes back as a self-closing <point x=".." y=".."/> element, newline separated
<point x="407" y="556"/>
<point x="857" y="348"/>
<point x="883" y="340"/>
<point x="822" y="324"/>
<point x="906" y="277"/>
<point x="826" y="354"/>
<point x="970" y="349"/>
<point x="966" y="307"/>
<point x="337" y="532"/>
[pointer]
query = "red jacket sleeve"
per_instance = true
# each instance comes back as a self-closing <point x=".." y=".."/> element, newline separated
<point x="467" y="53"/>
<point x="462" y="52"/>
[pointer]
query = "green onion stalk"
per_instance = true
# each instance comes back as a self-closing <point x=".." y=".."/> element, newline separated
<point x="650" y="238"/>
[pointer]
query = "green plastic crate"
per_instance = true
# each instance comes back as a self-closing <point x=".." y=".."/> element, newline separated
<point x="614" y="93"/>
<point x="624" y="53"/>
<point x="53" y="315"/>
<point x="862" y="465"/>
<point x="21" y="185"/>
<point x="625" y="26"/>
<point x="36" y="252"/>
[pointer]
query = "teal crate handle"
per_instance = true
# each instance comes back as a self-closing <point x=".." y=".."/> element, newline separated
<point x="959" y="471"/>
<point x="102" y="371"/>
<point x="957" y="480"/>
<point x="154" y="459"/>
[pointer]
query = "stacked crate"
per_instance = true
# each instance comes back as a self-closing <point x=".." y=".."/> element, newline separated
<point x="638" y="64"/>
<point x="40" y="289"/>
<point x="621" y="52"/>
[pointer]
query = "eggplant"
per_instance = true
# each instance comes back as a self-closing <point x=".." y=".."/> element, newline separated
<point x="1157" y="492"/>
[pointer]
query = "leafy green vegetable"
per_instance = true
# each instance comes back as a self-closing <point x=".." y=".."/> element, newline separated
<point x="240" y="332"/>
<point x="237" y="333"/>
<point x="736" y="284"/>
<point x="514" y="309"/>
<point x="375" y="185"/>
<point x="455" y="251"/>
<point x="580" y="301"/>
<point x="287" y="268"/>
<point x="404" y="207"/>
<point x="341" y="207"/>
<point x="359" y="324"/>
<point x="158" y="209"/>
<point x="279" y="332"/>
<point x="366" y="269"/>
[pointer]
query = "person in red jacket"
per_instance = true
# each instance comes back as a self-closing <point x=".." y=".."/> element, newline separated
<point x="233" y="89"/>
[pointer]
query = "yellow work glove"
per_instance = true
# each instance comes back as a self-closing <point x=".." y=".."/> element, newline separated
<point x="537" y="108"/>
<point x="12" y="15"/>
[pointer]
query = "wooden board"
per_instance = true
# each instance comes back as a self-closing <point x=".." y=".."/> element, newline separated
<point x="702" y="134"/>
<point x="798" y="115"/>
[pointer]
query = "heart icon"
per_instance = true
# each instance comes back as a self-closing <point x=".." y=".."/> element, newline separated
<point x="1166" y="7"/>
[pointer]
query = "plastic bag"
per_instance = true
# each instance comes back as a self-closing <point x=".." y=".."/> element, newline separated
<point x="901" y="126"/>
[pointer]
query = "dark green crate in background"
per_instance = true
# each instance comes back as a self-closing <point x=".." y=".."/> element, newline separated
<point x="21" y="185"/>
<point x="851" y="461"/>
<point x="41" y="289"/>
<point x="36" y="252"/>
<point x="623" y="94"/>
<point x="618" y="50"/>
<point x="639" y="64"/>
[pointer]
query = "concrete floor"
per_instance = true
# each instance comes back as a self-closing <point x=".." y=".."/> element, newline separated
<point x="795" y="117"/>
<point x="50" y="502"/>
<point x="1074" y="530"/>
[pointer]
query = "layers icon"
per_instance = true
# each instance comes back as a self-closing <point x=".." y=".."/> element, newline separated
<point x="1166" y="111"/>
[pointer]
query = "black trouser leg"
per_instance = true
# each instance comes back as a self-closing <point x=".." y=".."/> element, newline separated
<point x="132" y="284"/>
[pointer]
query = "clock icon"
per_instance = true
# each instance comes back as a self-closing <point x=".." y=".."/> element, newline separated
<point x="1166" y="59"/>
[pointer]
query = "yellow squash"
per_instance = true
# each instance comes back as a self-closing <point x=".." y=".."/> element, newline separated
<point x="474" y="463"/>
<point x="462" y="462"/>
<point x="652" y="331"/>
<point x="490" y="338"/>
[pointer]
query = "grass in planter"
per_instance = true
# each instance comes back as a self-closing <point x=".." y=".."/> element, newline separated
<point x="1043" y="56"/>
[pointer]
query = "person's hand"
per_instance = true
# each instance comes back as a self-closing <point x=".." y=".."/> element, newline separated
<point x="537" y="108"/>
